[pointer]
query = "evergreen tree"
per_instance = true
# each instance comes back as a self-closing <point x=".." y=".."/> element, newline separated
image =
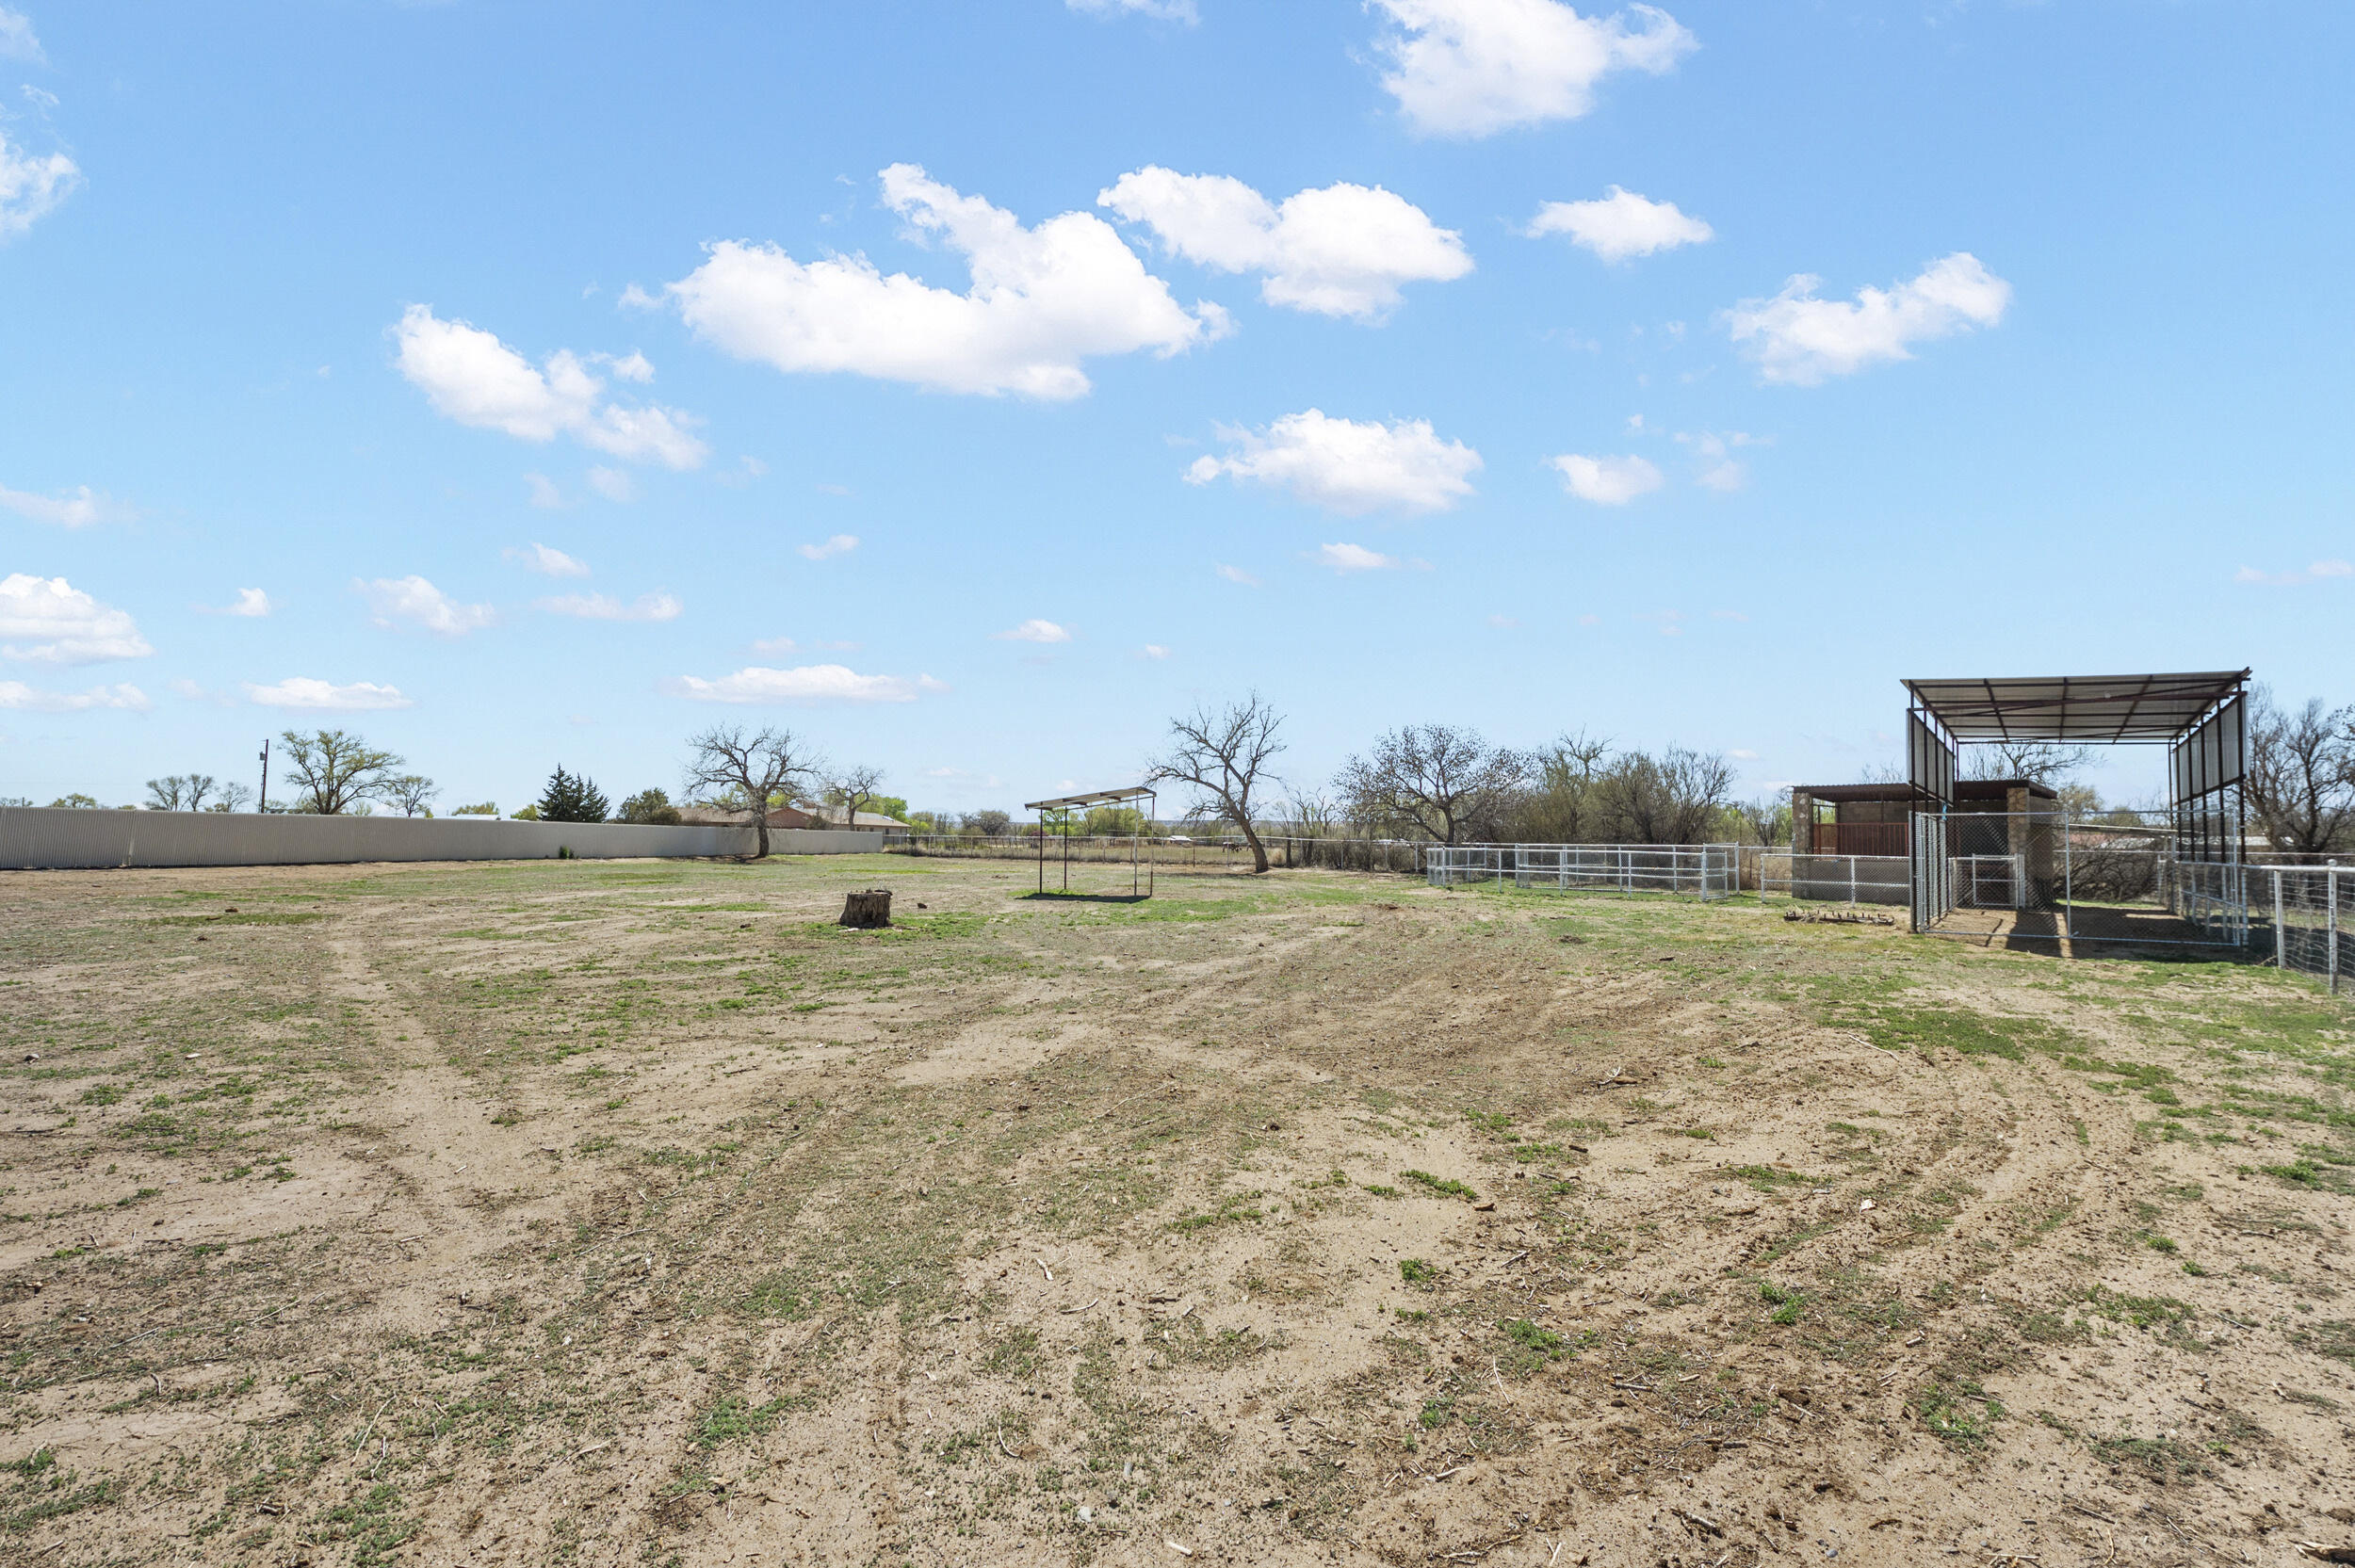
<point x="571" y="797"/>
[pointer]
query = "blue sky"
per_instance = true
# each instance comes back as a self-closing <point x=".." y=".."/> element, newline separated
<point x="1417" y="360"/>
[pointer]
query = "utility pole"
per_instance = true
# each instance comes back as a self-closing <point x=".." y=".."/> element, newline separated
<point x="261" y="804"/>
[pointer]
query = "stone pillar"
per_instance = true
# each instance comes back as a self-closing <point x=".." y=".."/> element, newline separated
<point x="1802" y="822"/>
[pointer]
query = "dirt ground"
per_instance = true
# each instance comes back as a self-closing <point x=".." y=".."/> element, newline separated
<point x="634" y="1213"/>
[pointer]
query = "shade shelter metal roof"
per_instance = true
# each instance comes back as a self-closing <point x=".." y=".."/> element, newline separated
<point x="2114" y="710"/>
<point x="1965" y="789"/>
<point x="1095" y="798"/>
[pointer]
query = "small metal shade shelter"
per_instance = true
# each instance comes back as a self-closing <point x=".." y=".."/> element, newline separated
<point x="2086" y="710"/>
<point x="2200" y="716"/>
<point x="1139" y="864"/>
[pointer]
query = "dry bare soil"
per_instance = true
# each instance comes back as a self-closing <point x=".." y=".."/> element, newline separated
<point x="634" y="1214"/>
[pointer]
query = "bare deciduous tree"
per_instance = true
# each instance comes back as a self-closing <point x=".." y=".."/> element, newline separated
<point x="1766" y="819"/>
<point x="1560" y="806"/>
<point x="852" y="788"/>
<point x="2036" y="761"/>
<point x="1313" y="813"/>
<point x="1224" y="756"/>
<point x="752" y="771"/>
<point x="1436" y="778"/>
<point x="335" y="771"/>
<point x="2302" y="774"/>
<point x="413" y="793"/>
<point x="1672" y="798"/>
<point x="179" y="792"/>
<point x="234" y="796"/>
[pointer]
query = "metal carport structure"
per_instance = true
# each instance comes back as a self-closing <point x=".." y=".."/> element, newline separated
<point x="1140" y="852"/>
<point x="2202" y="718"/>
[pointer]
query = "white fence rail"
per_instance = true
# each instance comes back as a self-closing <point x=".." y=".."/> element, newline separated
<point x="1703" y="870"/>
<point x="1777" y="875"/>
<point x="2313" y="917"/>
<point x="2212" y="895"/>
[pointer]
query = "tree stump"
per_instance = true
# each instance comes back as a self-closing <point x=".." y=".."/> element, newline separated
<point x="866" y="910"/>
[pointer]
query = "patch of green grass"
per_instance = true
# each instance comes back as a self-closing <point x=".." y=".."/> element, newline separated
<point x="735" y="1418"/>
<point x="1529" y="1347"/>
<point x="1381" y="1192"/>
<point x="259" y="917"/>
<point x="2310" y="1174"/>
<point x="2156" y="1457"/>
<point x="373" y="1523"/>
<point x="2169" y="1319"/>
<point x="1230" y="1210"/>
<point x="1766" y="1177"/>
<point x="1446" y="1188"/>
<point x="1941" y="1408"/>
<point x="2333" y="1338"/>
<point x="1414" y="1270"/>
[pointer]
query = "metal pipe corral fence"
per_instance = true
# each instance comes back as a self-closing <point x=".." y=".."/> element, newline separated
<point x="2314" y="918"/>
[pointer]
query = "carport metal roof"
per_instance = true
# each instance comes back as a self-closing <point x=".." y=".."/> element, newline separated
<point x="1095" y="798"/>
<point x="2087" y="709"/>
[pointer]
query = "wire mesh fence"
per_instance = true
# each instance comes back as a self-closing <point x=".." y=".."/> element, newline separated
<point x="2313" y="914"/>
<point x="1701" y="870"/>
<point x="1179" y="855"/>
<point x="2030" y="874"/>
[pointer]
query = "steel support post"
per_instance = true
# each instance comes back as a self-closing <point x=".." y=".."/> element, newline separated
<point x="2280" y="932"/>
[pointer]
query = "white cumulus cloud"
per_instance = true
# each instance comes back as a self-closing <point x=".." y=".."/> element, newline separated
<point x="602" y="607"/>
<point x="546" y="494"/>
<point x="840" y="544"/>
<point x="1621" y="225"/>
<point x="614" y="484"/>
<point x="17" y="42"/>
<point x="1471" y="68"/>
<point x="1606" y="481"/>
<point x="1034" y="631"/>
<point x="18" y="696"/>
<point x="1155" y="651"/>
<point x="1341" y="250"/>
<point x="470" y="375"/>
<point x="1353" y="558"/>
<point x="2320" y="571"/>
<point x="810" y="683"/>
<point x="395" y="601"/>
<point x="31" y="186"/>
<point x="316" y="696"/>
<point x="1237" y="575"/>
<point x="76" y="510"/>
<point x="1348" y="466"/>
<point x="1165" y="10"/>
<point x="252" y="603"/>
<point x="1799" y="339"/>
<point x="1042" y="301"/>
<point x="49" y="621"/>
<point x="546" y="560"/>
